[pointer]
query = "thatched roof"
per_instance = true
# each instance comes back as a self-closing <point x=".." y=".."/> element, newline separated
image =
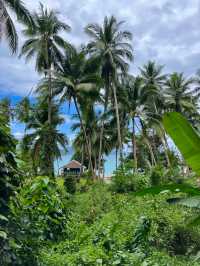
<point x="73" y="164"/>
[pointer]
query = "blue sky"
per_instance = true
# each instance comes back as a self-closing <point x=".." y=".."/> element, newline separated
<point x="166" y="31"/>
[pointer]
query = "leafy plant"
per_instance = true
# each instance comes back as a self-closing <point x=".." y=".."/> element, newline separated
<point x="185" y="137"/>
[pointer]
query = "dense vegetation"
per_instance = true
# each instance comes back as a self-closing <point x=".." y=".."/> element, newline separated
<point x="148" y="214"/>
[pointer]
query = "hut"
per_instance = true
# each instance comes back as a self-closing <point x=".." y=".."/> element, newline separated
<point x="73" y="168"/>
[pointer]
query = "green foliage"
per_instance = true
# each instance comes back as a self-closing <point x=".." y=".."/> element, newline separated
<point x="39" y="212"/>
<point x="70" y="183"/>
<point x="8" y="165"/>
<point x="125" y="180"/>
<point x="185" y="137"/>
<point x="116" y="229"/>
<point x="160" y="175"/>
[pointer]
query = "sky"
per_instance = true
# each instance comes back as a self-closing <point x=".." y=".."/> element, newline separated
<point x="166" y="31"/>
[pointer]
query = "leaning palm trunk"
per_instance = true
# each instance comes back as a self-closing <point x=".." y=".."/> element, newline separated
<point x="134" y="144"/>
<point x="166" y="151"/>
<point x="86" y="138"/>
<point x="153" y="160"/>
<point x="118" y="123"/>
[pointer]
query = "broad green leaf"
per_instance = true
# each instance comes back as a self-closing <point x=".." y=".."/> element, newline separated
<point x="3" y="218"/>
<point x="191" y="202"/>
<point x="174" y="188"/>
<point x="3" y="234"/>
<point x="185" y="138"/>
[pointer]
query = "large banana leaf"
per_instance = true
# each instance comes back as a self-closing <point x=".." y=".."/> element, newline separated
<point x="185" y="138"/>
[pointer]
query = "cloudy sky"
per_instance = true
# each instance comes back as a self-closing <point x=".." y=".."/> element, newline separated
<point x="167" y="31"/>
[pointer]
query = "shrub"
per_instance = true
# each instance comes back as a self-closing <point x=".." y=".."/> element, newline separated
<point x="39" y="212"/>
<point x="70" y="183"/>
<point x="125" y="180"/>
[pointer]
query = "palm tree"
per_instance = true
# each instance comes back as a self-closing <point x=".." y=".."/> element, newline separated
<point x="77" y="75"/>
<point x="111" y="46"/>
<point x="23" y="111"/>
<point x="153" y="82"/>
<point x="45" y="43"/>
<point x="6" y="110"/>
<point x="134" y="106"/>
<point x="7" y="26"/>
<point x="45" y="142"/>
<point x="92" y="125"/>
<point x="153" y="85"/>
<point x="179" y="94"/>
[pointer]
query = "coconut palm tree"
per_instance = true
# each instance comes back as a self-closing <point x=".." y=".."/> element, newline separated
<point x="153" y="81"/>
<point x="134" y="107"/>
<point x="7" y="26"/>
<point x="45" y="142"/>
<point x="153" y="89"/>
<point x="77" y="79"/>
<point x="23" y="111"/>
<point x="6" y="110"/>
<point x="112" y="47"/>
<point x="180" y="97"/>
<point x="45" y="44"/>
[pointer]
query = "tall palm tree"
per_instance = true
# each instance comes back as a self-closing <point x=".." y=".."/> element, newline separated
<point x="45" y="142"/>
<point x="45" y="44"/>
<point x="7" y="26"/>
<point x="153" y="85"/>
<point x="77" y="75"/>
<point x="134" y="107"/>
<point x="112" y="47"/>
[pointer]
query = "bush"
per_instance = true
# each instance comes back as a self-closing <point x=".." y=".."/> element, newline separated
<point x="70" y="183"/>
<point x="125" y="180"/>
<point x="39" y="212"/>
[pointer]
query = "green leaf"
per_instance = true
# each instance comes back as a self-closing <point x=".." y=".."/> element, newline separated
<point x="3" y="218"/>
<point x="185" y="138"/>
<point x="191" y="202"/>
<point x="3" y="234"/>
<point x="174" y="188"/>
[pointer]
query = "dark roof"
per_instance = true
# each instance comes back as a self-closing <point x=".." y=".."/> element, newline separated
<point x="73" y="164"/>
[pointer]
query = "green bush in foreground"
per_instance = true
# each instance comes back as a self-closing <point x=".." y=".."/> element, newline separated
<point x="39" y="212"/>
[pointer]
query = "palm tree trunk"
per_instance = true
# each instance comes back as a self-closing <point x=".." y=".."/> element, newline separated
<point x="118" y="123"/>
<point x="134" y="144"/>
<point x="100" y="144"/>
<point x="116" y="158"/>
<point x="82" y="159"/>
<point x="101" y="134"/>
<point x="86" y="139"/>
<point x="49" y="97"/>
<point x="153" y="160"/>
<point x="166" y="152"/>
